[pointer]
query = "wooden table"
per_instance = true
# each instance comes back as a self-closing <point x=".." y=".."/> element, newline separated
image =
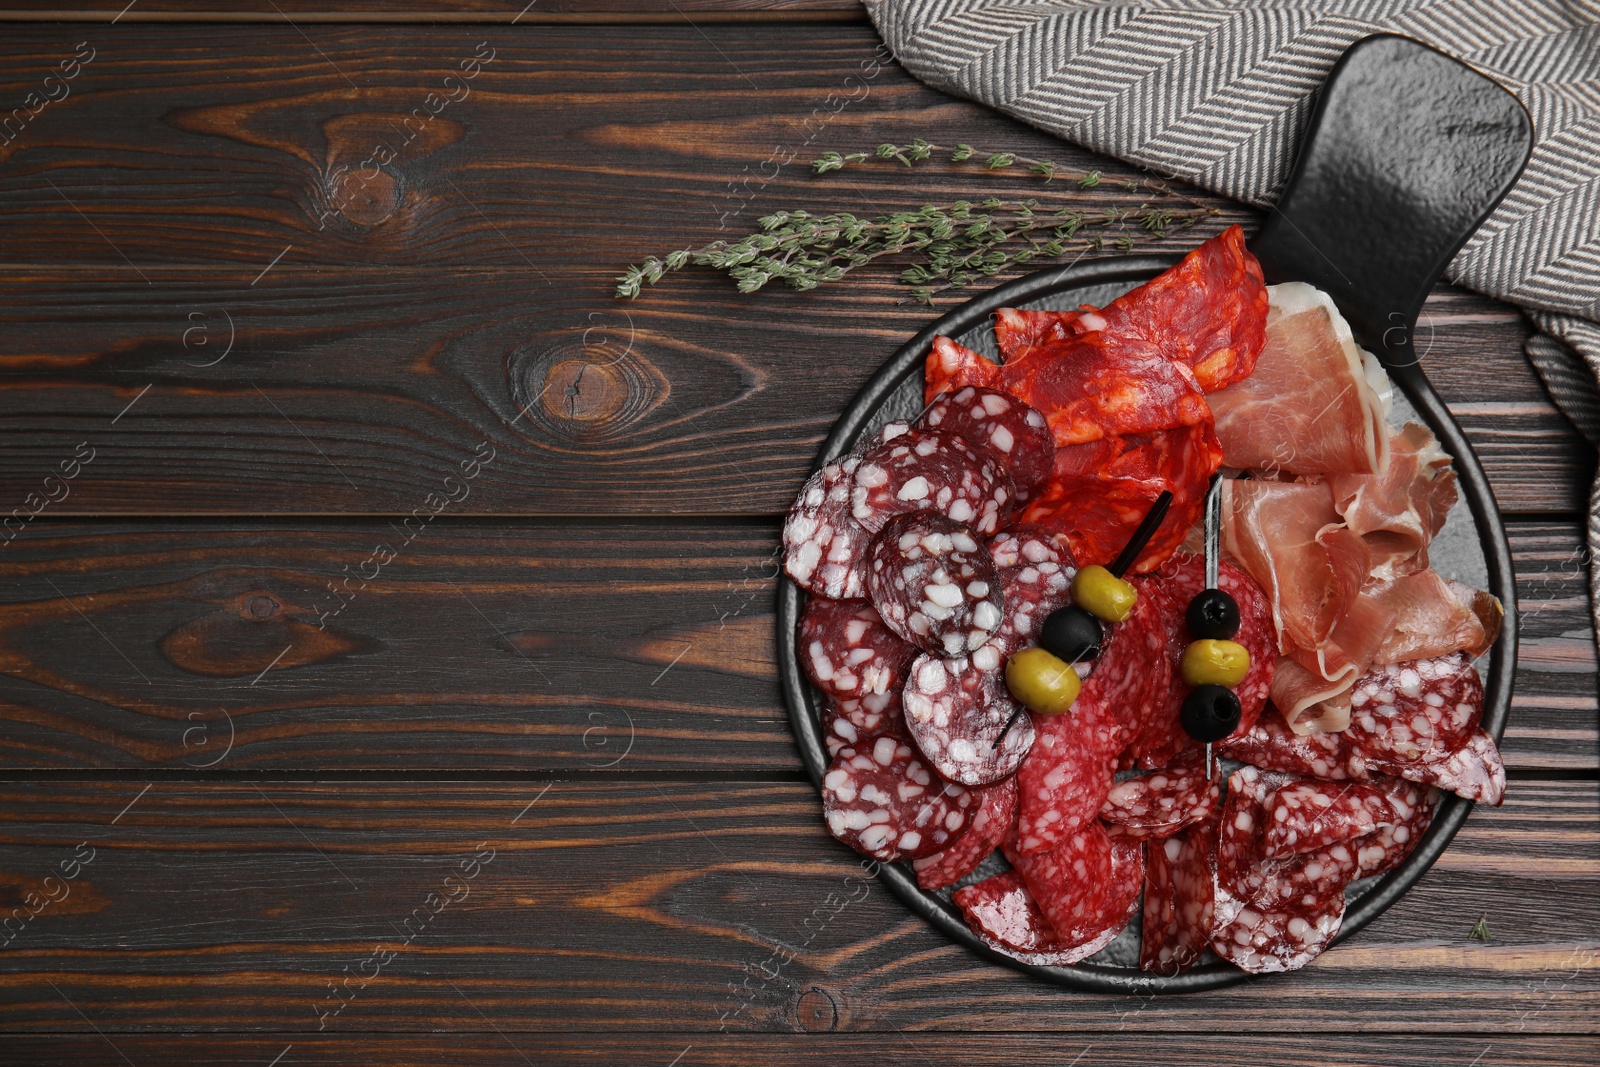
<point x="388" y="669"/>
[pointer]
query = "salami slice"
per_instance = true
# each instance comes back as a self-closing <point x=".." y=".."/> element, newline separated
<point x="1179" y="899"/>
<point x="882" y="801"/>
<point x="1087" y="887"/>
<point x="991" y="822"/>
<point x="1004" y="914"/>
<point x="956" y="710"/>
<point x="928" y="470"/>
<point x="1416" y="712"/>
<point x="1386" y="847"/>
<point x="824" y="548"/>
<point x="934" y="584"/>
<point x="1311" y="814"/>
<point x="1267" y="940"/>
<point x="1303" y="881"/>
<point x="950" y="366"/>
<point x="847" y="650"/>
<point x="1162" y="803"/>
<point x="1181" y="579"/>
<point x="880" y="713"/>
<point x="999" y="424"/>
<point x="1068" y="772"/>
<point x="1473" y="771"/>
<point x="1036" y="578"/>
<point x="1016" y="330"/>
<point x="1272" y="746"/>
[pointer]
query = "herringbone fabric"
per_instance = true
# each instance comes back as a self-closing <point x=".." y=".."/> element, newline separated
<point x="1218" y="93"/>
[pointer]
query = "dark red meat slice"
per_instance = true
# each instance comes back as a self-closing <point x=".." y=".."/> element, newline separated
<point x="1005" y="914"/>
<point x="1179" y="899"/>
<point x="1181" y="578"/>
<point x="927" y="470"/>
<point x="1418" y="711"/>
<point x="1067" y="774"/>
<point x="1087" y="887"/>
<point x="956" y="709"/>
<point x="991" y="822"/>
<point x="1036" y="579"/>
<point x="824" y="548"/>
<point x="1473" y="771"/>
<point x="1163" y="802"/>
<point x="1016" y="330"/>
<point x="1209" y="311"/>
<point x="950" y="366"/>
<point x="1100" y="493"/>
<point x="847" y="650"/>
<point x="934" y="584"/>
<point x="1302" y="881"/>
<point x="1269" y="940"/>
<point x="883" y="801"/>
<point x="1383" y="850"/>
<point x="1309" y="814"/>
<point x="876" y="714"/>
<point x="998" y="424"/>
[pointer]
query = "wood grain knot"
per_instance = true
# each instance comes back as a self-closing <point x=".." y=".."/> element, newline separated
<point x="817" y="1011"/>
<point x="245" y="634"/>
<point x="363" y="199"/>
<point x="575" y="391"/>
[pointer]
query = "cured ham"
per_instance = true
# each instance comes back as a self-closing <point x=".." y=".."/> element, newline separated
<point x="1400" y="509"/>
<point x="1314" y="404"/>
<point x="1433" y="617"/>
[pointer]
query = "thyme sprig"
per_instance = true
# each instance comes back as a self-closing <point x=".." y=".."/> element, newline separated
<point x="954" y="244"/>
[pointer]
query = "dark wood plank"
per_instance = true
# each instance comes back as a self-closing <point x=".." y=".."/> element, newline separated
<point x="807" y="1049"/>
<point x="615" y="905"/>
<point x="493" y="645"/>
<point x="504" y="12"/>
<point x="360" y="392"/>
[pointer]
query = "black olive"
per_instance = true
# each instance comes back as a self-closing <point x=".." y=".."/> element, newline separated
<point x="1071" y="634"/>
<point x="1212" y="616"/>
<point x="1210" y="713"/>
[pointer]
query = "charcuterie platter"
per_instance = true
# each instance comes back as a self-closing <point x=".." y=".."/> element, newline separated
<point x="1153" y="625"/>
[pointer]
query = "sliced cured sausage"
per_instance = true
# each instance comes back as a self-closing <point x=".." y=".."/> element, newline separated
<point x="950" y="366"/>
<point x="847" y="650"/>
<point x="991" y="822"/>
<point x="1416" y="712"/>
<point x="879" y="798"/>
<point x="877" y="714"/>
<point x="1087" y="887"/>
<point x="1000" y="425"/>
<point x="824" y="548"/>
<point x="1161" y="803"/>
<point x="1383" y="850"/>
<point x="934" y="583"/>
<point x="928" y="470"/>
<point x="1068" y="772"/>
<point x="1269" y="940"/>
<point x="1179" y="899"/>
<point x="956" y="710"/>
<point x="1036" y="573"/>
<point x="1310" y="814"/>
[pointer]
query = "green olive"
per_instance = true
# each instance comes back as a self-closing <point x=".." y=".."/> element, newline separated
<point x="1102" y="594"/>
<point x="1041" y="681"/>
<point x="1223" y="663"/>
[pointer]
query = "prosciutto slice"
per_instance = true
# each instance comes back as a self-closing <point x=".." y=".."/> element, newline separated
<point x="1310" y="407"/>
<point x="1400" y="509"/>
<point x="1434" y="617"/>
<point x="1288" y="537"/>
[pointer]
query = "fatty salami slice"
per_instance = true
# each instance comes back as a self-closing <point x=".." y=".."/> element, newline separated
<point x="949" y="366"/>
<point x="882" y="801"/>
<point x="1068" y="772"/>
<point x="1418" y="711"/>
<point x="847" y="650"/>
<point x="1311" y="814"/>
<point x="1386" y="847"/>
<point x="1272" y="746"/>
<point x="1087" y="887"/>
<point x="934" y="584"/>
<point x="1303" y="881"/>
<point x="877" y="714"/>
<point x="1181" y="579"/>
<point x="927" y="470"/>
<point x="1161" y="803"/>
<point x="1473" y="771"/>
<point x="1000" y="424"/>
<point x="1180" y="899"/>
<point x="1036" y="578"/>
<point x="824" y="548"/>
<point x="1270" y="940"/>
<point x="956" y="709"/>
<point x="991" y="822"/>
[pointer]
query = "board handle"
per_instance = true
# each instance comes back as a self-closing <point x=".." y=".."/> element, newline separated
<point x="1407" y="152"/>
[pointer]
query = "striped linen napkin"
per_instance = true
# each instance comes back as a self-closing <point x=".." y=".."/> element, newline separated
<point x="1217" y="92"/>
